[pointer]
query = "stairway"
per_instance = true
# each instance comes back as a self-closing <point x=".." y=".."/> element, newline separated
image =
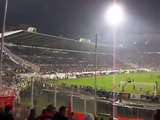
<point x="23" y="63"/>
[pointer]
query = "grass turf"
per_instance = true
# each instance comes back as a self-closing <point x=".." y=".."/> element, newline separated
<point x="106" y="81"/>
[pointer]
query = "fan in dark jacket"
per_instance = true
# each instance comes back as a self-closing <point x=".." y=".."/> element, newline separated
<point x="157" y="115"/>
<point x="7" y="113"/>
<point x="32" y="115"/>
<point x="48" y="113"/>
<point x="61" y="115"/>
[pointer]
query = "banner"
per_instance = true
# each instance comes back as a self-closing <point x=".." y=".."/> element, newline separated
<point x="135" y="96"/>
<point x="125" y="95"/>
<point x="120" y="118"/>
<point x="143" y="97"/>
<point x="8" y="91"/>
<point x="6" y="100"/>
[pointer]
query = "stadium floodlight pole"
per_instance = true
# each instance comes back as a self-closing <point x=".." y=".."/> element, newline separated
<point x="85" y="104"/>
<point x="2" y="39"/>
<point x="55" y="95"/>
<point x="114" y="77"/>
<point x="72" y="99"/>
<point x="155" y="90"/>
<point x="32" y="90"/>
<point x="114" y="17"/>
<point x="95" y="76"/>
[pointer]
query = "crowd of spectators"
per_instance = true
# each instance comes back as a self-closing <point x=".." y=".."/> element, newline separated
<point x="10" y="79"/>
<point x="6" y="114"/>
<point x="51" y="60"/>
<point x="51" y="113"/>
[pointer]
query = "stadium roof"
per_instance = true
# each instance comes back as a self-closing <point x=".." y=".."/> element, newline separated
<point x="35" y="39"/>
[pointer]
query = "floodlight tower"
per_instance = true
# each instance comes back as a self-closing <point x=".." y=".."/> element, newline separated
<point x="114" y="17"/>
<point x="2" y="38"/>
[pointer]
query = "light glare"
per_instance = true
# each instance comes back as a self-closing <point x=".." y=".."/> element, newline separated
<point x="115" y="15"/>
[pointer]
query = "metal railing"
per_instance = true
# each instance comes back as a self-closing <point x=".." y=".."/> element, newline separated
<point x="82" y="103"/>
<point x="24" y="63"/>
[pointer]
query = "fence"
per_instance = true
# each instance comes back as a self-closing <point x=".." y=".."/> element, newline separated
<point x="45" y="94"/>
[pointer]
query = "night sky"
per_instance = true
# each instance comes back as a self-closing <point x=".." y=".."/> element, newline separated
<point x="82" y="18"/>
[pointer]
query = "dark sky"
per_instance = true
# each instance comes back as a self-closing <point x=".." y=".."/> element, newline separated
<point x="82" y="18"/>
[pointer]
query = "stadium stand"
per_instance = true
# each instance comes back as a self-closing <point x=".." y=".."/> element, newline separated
<point x="22" y="44"/>
<point x="28" y="52"/>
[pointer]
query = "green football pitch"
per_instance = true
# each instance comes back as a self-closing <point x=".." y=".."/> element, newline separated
<point x="146" y="80"/>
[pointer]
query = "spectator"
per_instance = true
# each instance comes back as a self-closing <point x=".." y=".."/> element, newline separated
<point x="32" y="115"/>
<point x="71" y="117"/>
<point x="88" y="116"/>
<point x="43" y="116"/>
<point x="61" y="115"/>
<point x="157" y="115"/>
<point x="50" y="111"/>
<point x="1" y="115"/>
<point x="7" y="113"/>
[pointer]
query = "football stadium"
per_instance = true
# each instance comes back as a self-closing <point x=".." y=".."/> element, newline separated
<point x="43" y="75"/>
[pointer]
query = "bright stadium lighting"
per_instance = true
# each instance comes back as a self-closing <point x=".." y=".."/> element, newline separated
<point x="114" y="15"/>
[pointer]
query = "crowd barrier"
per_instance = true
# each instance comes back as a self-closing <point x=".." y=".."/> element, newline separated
<point x="43" y="97"/>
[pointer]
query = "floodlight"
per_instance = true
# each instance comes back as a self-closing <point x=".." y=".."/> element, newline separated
<point x="114" y="14"/>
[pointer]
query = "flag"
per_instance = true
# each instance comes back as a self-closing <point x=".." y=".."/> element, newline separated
<point x="69" y="110"/>
<point x="6" y="100"/>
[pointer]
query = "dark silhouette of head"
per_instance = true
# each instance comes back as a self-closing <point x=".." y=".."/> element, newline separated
<point x="1" y="110"/>
<point x="51" y="110"/>
<point x="44" y="111"/>
<point x="72" y="113"/>
<point x="8" y="108"/>
<point x="158" y="111"/>
<point x="63" y="111"/>
<point x="33" y="112"/>
<point x="157" y="115"/>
